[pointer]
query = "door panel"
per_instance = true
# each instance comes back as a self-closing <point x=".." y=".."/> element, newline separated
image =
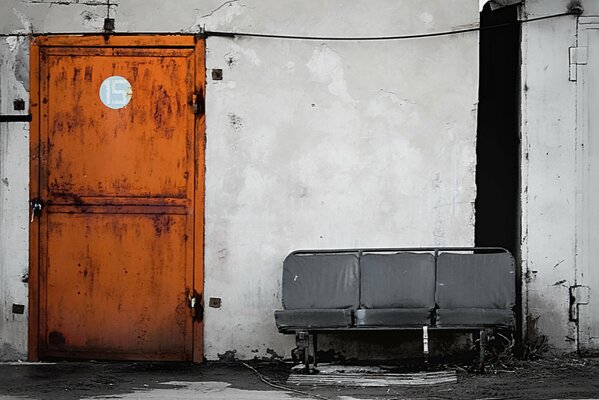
<point x="116" y="283"/>
<point x="141" y="150"/>
<point x="121" y="208"/>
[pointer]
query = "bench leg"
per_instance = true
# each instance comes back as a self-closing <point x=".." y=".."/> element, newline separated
<point x="302" y="340"/>
<point x="483" y="339"/>
<point x="425" y="350"/>
<point x="315" y="347"/>
<point x="307" y="356"/>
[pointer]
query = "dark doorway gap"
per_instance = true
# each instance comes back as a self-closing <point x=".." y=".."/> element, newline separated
<point x="498" y="139"/>
<point x="498" y="143"/>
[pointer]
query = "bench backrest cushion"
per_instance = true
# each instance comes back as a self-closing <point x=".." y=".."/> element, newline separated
<point x="402" y="280"/>
<point x="476" y="281"/>
<point x="320" y="281"/>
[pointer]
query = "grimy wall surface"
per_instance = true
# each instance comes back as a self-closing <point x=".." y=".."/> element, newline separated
<point x="549" y="173"/>
<point x="310" y="144"/>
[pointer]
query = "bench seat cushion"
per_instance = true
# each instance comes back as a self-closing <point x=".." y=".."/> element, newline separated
<point x="476" y="281"/>
<point x="393" y="317"/>
<point x="313" y="319"/>
<point x="321" y="281"/>
<point x="401" y="280"/>
<point x="475" y="317"/>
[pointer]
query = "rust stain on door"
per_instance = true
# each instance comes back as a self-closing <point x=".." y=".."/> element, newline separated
<point x="117" y="177"/>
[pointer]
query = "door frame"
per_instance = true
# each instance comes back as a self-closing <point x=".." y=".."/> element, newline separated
<point x="148" y="41"/>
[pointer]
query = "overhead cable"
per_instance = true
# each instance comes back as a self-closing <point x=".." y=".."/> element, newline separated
<point x="209" y="33"/>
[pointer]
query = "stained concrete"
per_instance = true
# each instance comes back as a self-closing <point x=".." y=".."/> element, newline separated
<point x="202" y="390"/>
<point x="14" y="199"/>
<point x="309" y="143"/>
<point x="309" y="146"/>
<point x="549" y="176"/>
<point x="320" y="144"/>
<point x="552" y="378"/>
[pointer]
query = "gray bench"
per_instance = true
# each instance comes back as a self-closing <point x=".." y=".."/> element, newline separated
<point x="462" y="289"/>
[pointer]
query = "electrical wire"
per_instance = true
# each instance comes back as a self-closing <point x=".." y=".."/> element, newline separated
<point x="380" y="38"/>
<point x="208" y="33"/>
<point x="282" y="387"/>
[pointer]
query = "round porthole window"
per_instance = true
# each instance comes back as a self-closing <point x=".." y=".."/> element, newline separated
<point x="115" y="92"/>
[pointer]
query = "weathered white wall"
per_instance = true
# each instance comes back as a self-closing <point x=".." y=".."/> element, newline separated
<point x="338" y="153"/>
<point x="311" y="144"/>
<point x="549" y="169"/>
<point x="14" y="199"/>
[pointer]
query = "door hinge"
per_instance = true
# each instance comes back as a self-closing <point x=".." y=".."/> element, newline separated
<point x="197" y="102"/>
<point x="578" y="295"/>
<point x="197" y="308"/>
<point x="578" y="56"/>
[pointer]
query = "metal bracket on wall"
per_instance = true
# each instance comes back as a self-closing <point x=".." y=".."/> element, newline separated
<point x="578" y="295"/>
<point x="15" y="118"/>
<point x="578" y="56"/>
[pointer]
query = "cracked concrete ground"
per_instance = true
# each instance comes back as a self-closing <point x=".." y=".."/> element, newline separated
<point x="549" y="378"/>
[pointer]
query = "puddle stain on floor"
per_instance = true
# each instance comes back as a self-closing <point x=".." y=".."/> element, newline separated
<point x="201" y="391"/>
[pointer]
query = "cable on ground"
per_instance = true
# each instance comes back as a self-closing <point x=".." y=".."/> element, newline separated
<point x="283" y="387"/>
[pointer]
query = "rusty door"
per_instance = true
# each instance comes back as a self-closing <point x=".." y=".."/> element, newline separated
<point x="117" y="178"/>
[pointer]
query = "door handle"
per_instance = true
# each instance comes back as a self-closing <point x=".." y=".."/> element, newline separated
<point x="197" y="308"/>
<point x="36" y="209"/>
<point x="197" y="102"/>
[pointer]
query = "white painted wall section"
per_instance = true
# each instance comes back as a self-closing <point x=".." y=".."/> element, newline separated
<point x="310" y="144"/>
<point x="549" y="170"/>
<point x="328" y="144"/>
<point x="14" y="199"/>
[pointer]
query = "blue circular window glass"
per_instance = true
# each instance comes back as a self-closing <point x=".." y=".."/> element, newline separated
<point x="115" y="92"/>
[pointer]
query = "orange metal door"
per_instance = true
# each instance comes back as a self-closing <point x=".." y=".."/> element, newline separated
<point x="119" y="236"/>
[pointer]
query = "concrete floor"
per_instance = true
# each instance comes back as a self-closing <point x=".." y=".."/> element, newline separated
<point x="92" y="380"/>
<point x="200" y="391"/>
<point x="550" y="378"/>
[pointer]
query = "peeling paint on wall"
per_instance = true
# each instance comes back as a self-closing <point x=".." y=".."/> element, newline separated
<point x="22" y="63"/>
<point x="93" y="20"/>
<point x="25" y="22"/>
<point x="326" y="67"/>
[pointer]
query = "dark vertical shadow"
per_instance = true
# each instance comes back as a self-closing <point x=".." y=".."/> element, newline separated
<point x="498" y="143"/>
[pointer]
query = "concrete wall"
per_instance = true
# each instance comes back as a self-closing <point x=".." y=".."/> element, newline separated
<point x="549" y="169"/>
<point x="14" y="199"/>
<point x="310" y="144"/>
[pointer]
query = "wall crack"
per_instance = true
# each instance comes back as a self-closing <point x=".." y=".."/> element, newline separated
<point x="219" y="7"/>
